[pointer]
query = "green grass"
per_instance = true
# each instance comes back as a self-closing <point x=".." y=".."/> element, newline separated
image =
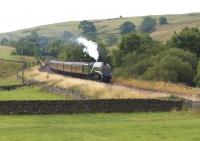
<point x="11" y="80"/>
<point x="101" y="127"/>
<point x="8" y="71"/>
<point x="5" y="53"/>
<point x="29" y="93"/>
<point x="8" y="68"/>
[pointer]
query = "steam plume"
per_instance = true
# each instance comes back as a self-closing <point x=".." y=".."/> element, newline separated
<point x="90" y="47"/>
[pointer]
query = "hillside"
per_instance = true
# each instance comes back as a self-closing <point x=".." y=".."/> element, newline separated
<point x="8" y="69"/>
<point x="162" y="33"/>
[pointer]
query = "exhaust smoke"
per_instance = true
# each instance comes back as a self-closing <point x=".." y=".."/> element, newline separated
<point x="91" y="47"/>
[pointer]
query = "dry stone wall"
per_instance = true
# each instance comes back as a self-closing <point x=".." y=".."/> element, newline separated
<point x="88" y="106"/>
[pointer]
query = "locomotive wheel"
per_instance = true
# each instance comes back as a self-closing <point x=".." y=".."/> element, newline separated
<point x="96" y="77"/>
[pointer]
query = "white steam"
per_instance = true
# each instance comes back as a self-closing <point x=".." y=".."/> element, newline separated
<point x="90" y="47"/>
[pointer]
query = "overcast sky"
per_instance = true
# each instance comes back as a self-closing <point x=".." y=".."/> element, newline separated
<point x="19" y="14"/>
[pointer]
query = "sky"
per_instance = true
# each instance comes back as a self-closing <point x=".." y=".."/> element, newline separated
<point x="20" y="14"/>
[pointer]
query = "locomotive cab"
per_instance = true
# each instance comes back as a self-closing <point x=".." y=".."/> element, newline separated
<point x="103" y="70"/>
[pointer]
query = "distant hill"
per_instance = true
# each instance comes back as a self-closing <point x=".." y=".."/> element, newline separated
<point x="105" y="26"/>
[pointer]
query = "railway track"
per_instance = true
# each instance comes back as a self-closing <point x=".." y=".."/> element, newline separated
<point x="45" y="68"/>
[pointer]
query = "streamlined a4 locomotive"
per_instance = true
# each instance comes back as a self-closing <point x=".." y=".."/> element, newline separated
<point x="99" y="71"/>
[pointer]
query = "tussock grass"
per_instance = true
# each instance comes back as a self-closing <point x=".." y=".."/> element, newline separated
<point x="89" y="88"/>
<point x="177" y="89"/>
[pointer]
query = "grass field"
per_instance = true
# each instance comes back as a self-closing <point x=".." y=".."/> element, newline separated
<point x="5" y="53"/>
<point x="29" y="93"/>
<point x="172" y="126"/>
<point x="8" y="72"/>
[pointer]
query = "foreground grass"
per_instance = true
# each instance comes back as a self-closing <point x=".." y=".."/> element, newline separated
<point x="29" y="93"/>
<point x="101" y="127"/>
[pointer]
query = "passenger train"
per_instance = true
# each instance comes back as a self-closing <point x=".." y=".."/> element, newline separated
<point x="99" y="71"/>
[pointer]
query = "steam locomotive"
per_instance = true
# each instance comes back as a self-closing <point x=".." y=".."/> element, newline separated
<point x="98" y="71"/>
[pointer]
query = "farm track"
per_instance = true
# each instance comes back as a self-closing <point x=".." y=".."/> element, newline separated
<point x="147" y="91"/>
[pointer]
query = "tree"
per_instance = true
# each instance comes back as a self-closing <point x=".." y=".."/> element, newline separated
<point x="33" y="37"/>
<point x="42" y="41"/>
<point x="188" y="39"/>
<point x="117" y="58"/>
<point x="66" y="36"/>
<point x="197" y="78"/>
<point x="73" y="52"/>
<point x="88" y="29"/>
<point x="55" y="47"/>
<point x="148" y="24"/>
<point x="174" y="65"/>
<point x="111" y="40"/>
<point x="28" y="47"/>
<point x="4" y="42"/>
<point x="163" y="20"/>
<point x="32" y="45"/>
<point x="102" y="52"/>
<point x="127" y="27"/>
<point x="134" y="42"/>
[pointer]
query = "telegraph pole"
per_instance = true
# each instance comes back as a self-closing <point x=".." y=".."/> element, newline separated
<point x="22" y="64"/>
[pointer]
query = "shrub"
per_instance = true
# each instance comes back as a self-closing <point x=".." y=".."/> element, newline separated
<point x="171" y="66"/>
<point x="197" y="78"/>
<point x="188" y="39"/>
<point x="134" y="42"/>
<point x="127" y="27"/>
<point x="163" y="20"/>
<point x="148" y="24"/>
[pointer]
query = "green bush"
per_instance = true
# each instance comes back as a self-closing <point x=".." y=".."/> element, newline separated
<point x="134" y="42"/>
<point x="172" y="65"/>
<point x="197" y="78"/>
<point x="127" y="27"/>
<point x="188" y="39"/>
<point x="162" y="20"/>
<point x="148" y="24"/>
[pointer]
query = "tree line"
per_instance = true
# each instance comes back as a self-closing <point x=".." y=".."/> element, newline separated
<point x="139" y="56"/>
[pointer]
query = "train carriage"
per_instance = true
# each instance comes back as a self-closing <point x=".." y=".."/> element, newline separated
<point x="96" y="71"/>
